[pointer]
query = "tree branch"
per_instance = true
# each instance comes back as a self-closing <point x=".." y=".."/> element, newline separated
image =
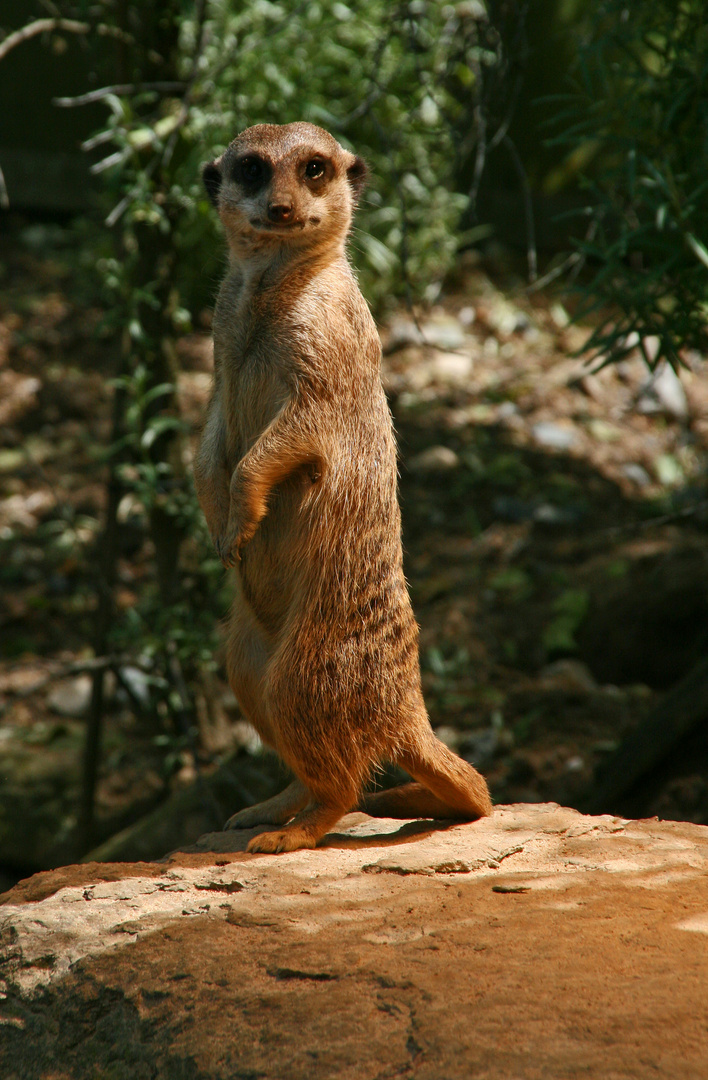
<point x="4" y="198"/>
<point x="119" y="90"/>
<point x="528" y="208"/>
<point x="68" y="26"/>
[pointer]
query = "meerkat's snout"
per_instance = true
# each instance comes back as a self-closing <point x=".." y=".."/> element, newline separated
<point x="281" y="212"/>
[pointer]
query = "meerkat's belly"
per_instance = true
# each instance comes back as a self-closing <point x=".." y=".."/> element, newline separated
<point x="271" y="563"/>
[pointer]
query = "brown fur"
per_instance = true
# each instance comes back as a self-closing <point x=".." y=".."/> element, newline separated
<point x="296" y="473"/>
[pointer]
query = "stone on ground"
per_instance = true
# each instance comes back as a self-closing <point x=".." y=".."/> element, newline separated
<point x="539" y="944"/>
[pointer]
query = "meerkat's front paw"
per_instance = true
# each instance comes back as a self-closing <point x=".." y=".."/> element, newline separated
<point x="228" y="549"/>
<point x="236" y="536"/>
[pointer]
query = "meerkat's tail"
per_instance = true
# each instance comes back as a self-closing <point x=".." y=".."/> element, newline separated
<point x="446" y="786"/>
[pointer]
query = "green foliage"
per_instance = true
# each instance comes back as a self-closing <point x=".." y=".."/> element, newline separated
<point x="640" y="113"/>
<point x="569" y="610"/>
<point x="512" y="582"/>
<point x="399" y="83"/>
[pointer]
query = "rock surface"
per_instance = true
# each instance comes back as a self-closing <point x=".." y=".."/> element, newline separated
<point x="538" y="944"/>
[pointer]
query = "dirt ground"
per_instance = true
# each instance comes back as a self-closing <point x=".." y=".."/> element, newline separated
<point x="555" y="530"/>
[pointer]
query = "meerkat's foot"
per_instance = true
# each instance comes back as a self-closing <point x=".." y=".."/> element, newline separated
<point x="274" y="843"/>
<point x="275" y="811"/>
<point x="303" y="831"/>
<point x="251" y="816"/>
<point x="406" y="801"/>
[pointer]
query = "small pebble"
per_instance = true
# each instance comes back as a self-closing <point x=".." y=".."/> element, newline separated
<point x="434" y="459"/>
<point x="72" y="697"/>
<point x="553" y="436"/>
<point x="636" y="473"/>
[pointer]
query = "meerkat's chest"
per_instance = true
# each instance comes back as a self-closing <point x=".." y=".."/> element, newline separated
<point x="257" y="394"/>
<point x="254" y="366"/>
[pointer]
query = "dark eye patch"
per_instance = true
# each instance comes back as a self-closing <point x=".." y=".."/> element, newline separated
<point x="251" y="171"/>
<point x="211" y="176"/>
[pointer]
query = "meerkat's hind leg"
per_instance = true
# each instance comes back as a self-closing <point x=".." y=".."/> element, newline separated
<point x="461" y="790"/>
<point x="446" y="787"/>
<point x="405" y="801"/>
<point x="275" y="811"/>
<point x="305" y="829"/>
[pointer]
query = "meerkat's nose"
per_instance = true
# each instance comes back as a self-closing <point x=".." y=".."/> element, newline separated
<point x="281" y="211"/>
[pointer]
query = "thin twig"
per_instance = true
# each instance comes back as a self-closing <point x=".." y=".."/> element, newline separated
<point x="376" y="90"/>
<point x="528" y="208"/>
<point x="97" y="140"/>
<point x="363" y="107"/>
<point x="514" y="50"/>
<point x="480" y="157"/>
<point x="120" y="208"/>
<point x="78" y="667"/>
<point x="119" y="90"/>
<point x="68" y="26"/>
<point x="187" y="96"/>
<point x="615" y="531"/>
<point x="104" y="615"/>
<point x="567" y="264"/>
<point x="4" y="197"/>
<point x="41" y="26"/>
<point x="116" y="158"/>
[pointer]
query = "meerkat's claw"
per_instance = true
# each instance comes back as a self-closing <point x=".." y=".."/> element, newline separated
<point x="229" y="553"/>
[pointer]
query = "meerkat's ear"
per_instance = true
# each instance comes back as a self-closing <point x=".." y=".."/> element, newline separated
<point x="357" y="174"/>
<point x="211" y="177"/>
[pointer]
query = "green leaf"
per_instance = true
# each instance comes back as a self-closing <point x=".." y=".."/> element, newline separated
<point x="161" y="390"/>
<point x="158" y="427"/>
<point x="570" y="609"/>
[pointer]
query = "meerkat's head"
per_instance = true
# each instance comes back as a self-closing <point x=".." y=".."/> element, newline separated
<point x="285" y="187"/>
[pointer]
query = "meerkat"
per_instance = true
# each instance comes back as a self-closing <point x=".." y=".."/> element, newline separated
<point x="296" y="473"/>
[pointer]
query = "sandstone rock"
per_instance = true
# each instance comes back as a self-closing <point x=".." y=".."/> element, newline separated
<point x="539" y="943"/>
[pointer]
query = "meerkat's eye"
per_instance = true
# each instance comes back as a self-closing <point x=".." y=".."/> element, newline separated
<point x="315" y="169"/>
<point x="251" y="171"/>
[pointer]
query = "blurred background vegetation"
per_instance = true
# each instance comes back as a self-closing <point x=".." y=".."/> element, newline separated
<point x="575" y="132"/>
